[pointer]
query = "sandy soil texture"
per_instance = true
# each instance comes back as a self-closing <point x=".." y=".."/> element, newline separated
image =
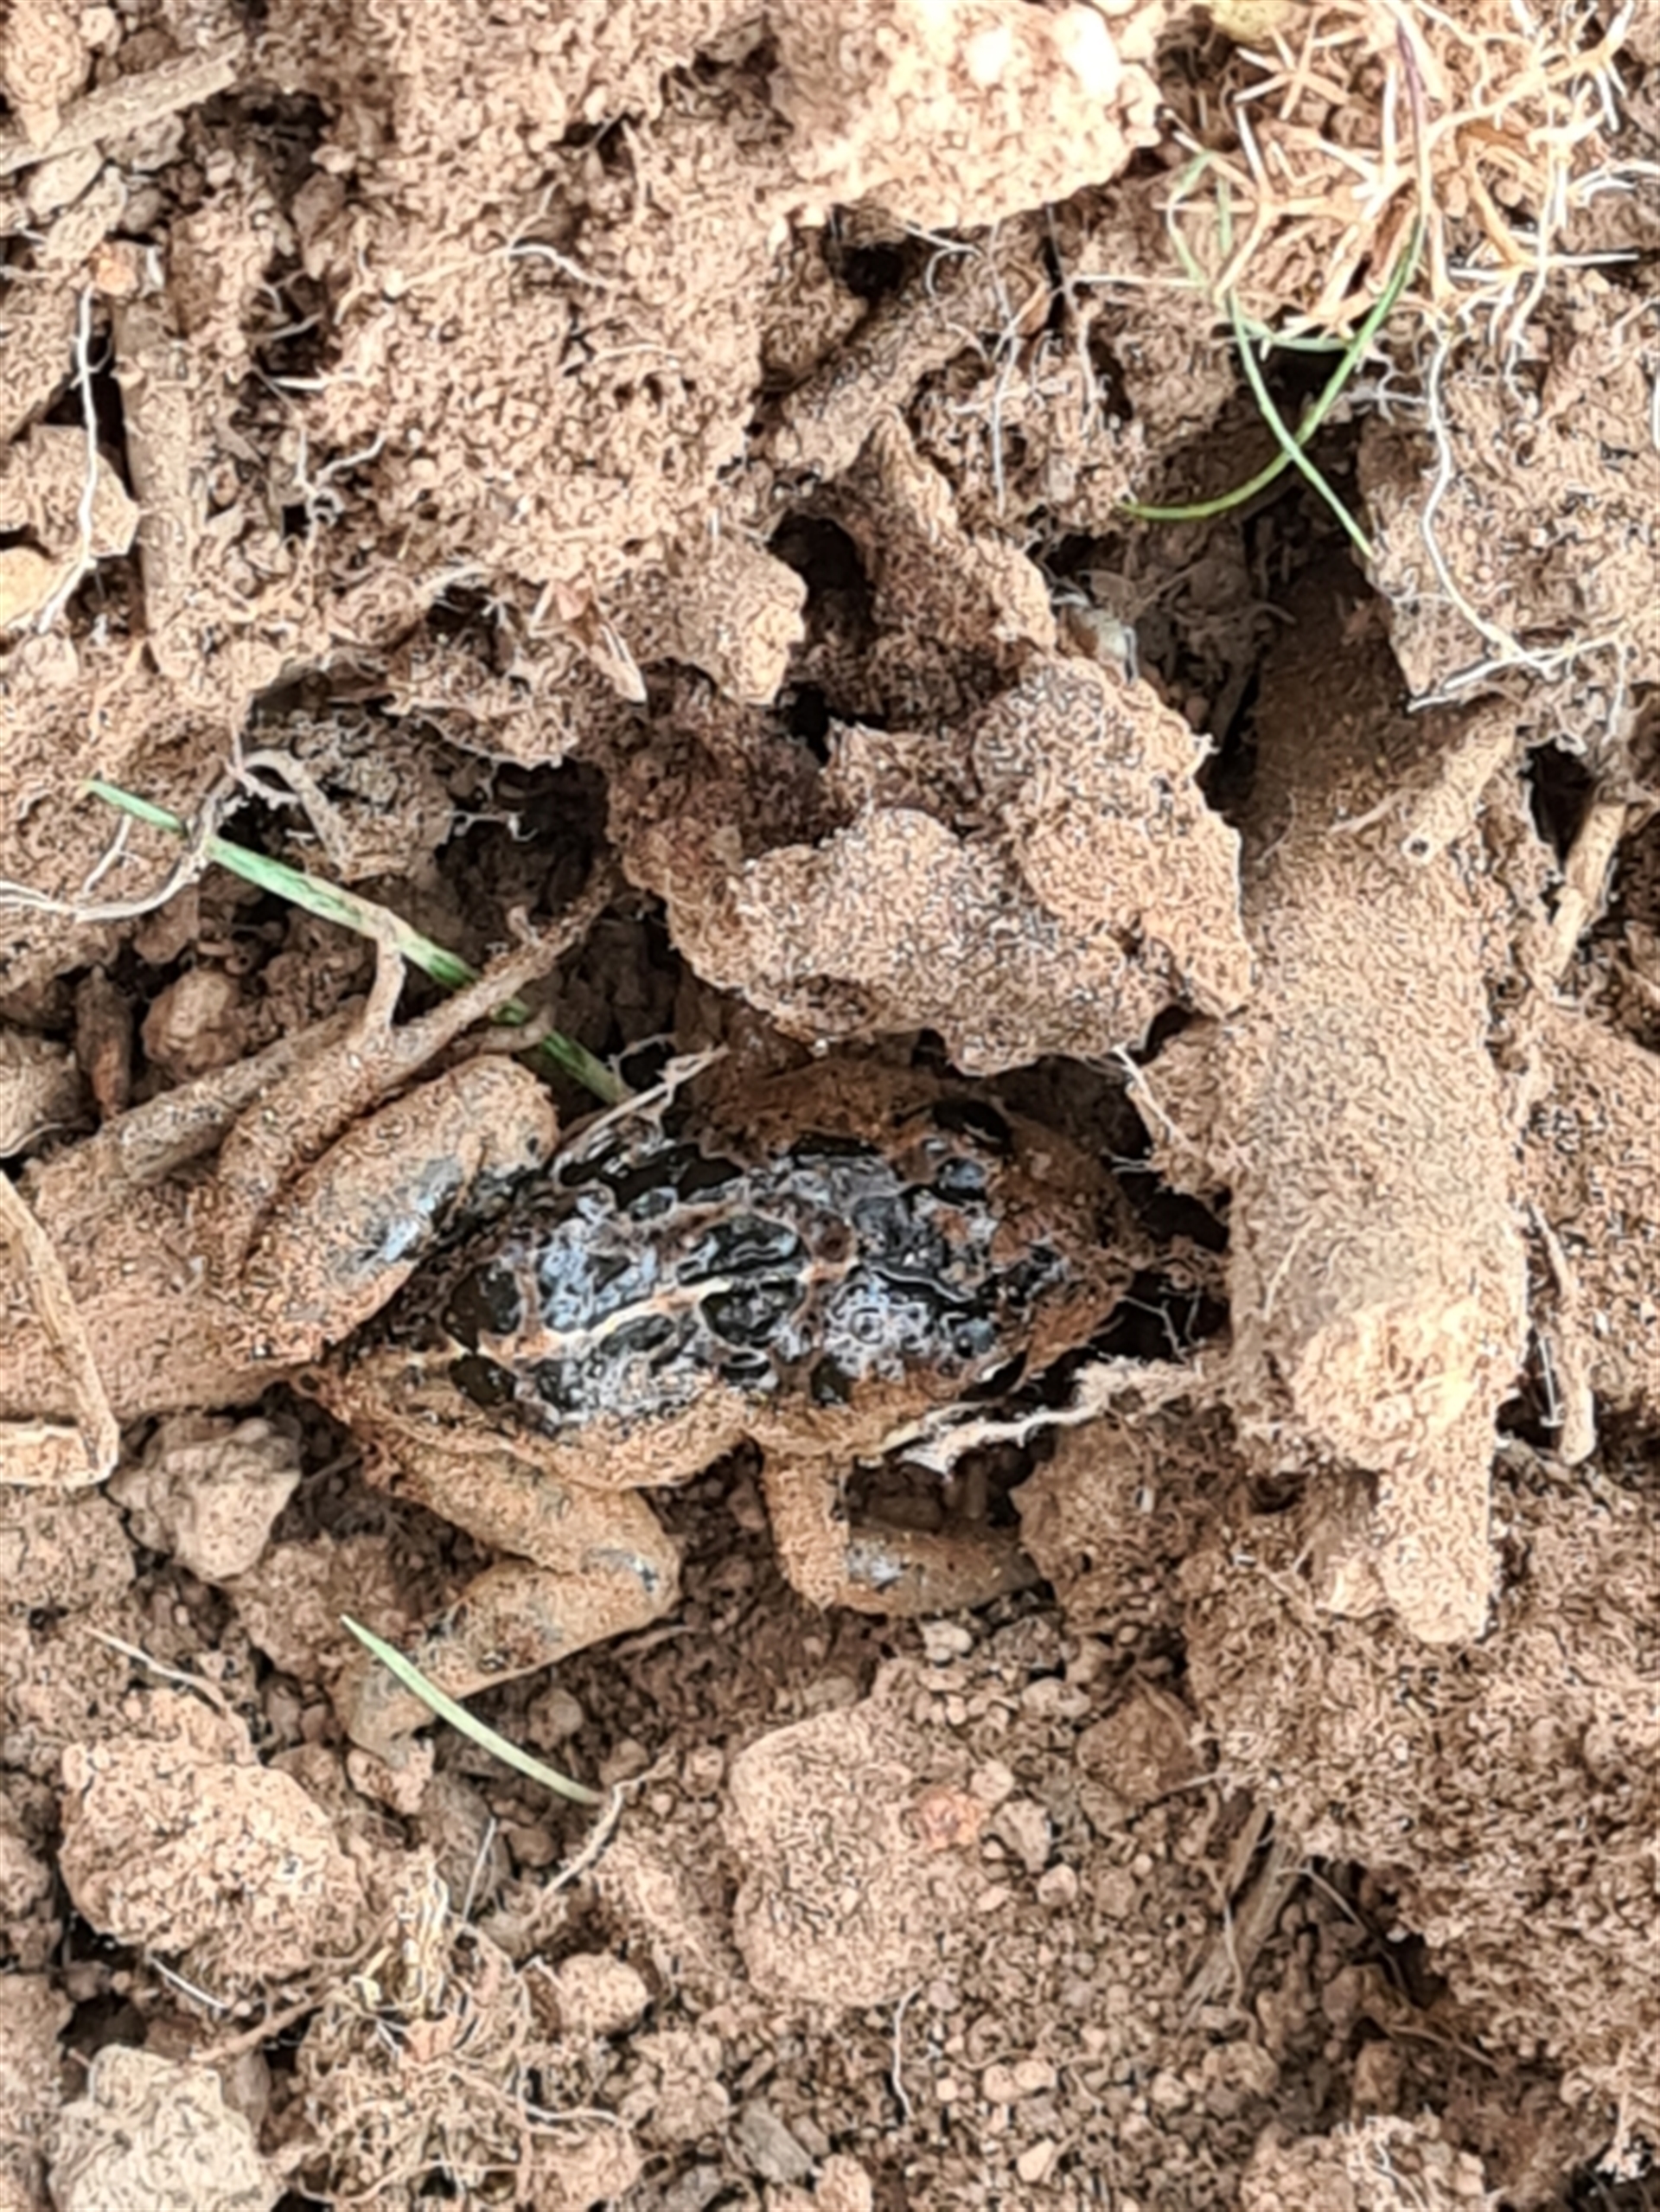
<point x="1076" y="1466"/>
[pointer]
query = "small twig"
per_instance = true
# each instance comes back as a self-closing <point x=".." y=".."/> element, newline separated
<point x="96" y="1440"/>
<point x="210" y="1691"/>
<point x="481" y="1857"/>
<point x="76" y="568"/>
<point x="1282" y="1268"/>
<point x="595" y="1841"/>
<point x="192" y="1990"/>
<point x="125" y="105"/>
<point x="896" y="2071"/>
<point x="1585" y="883"/>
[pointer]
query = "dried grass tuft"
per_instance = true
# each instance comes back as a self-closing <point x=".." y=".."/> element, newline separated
<point x="1337" y="122"/>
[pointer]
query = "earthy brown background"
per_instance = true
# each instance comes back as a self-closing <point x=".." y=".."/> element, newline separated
<point x="465" y="440"/>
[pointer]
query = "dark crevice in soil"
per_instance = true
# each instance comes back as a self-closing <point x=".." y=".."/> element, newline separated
<point x="1560" y="788"/>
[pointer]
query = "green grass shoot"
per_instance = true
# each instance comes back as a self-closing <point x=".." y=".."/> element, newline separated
<point x="486" y="1737"/>
<point x="331" y="903"/>
<point x="1292" y="443"/>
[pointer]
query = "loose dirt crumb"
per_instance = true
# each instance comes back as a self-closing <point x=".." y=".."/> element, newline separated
<point x="104" y="1041"/>
<point x="1145" y="1748"/>
<point x="1377" y="2166"/>
<point x="176" y="1839"/>
<point x="29" y="1928"/>
<point x="195" y="1024"/>
<point x="148" y="2133"/>
<point x="1034" y="103"/>
<point x="461" y="2087"/>
<point x="987" y="920"/>
<point x="42" y="64"/>
<point x="1344" y="1729"/>
<point x="208" y="1491"/>
<point x="1591" y="1161"/>
<point x="860" y="1866"/>
<point x="39" y="1089"/>
<point x="1523" y="531"/>
<point x="33" y="2013"/>
<point x="1120" y="1503"/>
<point x="598" y="1995"/>
<point x="290" y="1600"/>
<point x="1376" y="1269"/>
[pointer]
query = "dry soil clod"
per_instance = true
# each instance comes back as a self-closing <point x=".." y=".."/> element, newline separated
<point x="1376" y="1270"/>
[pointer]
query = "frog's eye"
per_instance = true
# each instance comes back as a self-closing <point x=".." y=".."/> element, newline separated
<point x="959" y="1179"/>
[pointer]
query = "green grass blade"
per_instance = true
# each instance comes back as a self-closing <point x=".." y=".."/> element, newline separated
<point x="331" y="903"/>
<point x="1289" y="446"/>
<point x="480" y="1733"/>
<point x="1348" y="361"/>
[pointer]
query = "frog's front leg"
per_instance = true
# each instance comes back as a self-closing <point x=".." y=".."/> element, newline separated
<point x="352" y="1228"/>
<point x="873" y="1568"/>
<point x="590" y="1564"/>
<point x="299" y="1119"/>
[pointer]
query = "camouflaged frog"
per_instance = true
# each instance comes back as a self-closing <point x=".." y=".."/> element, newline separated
<point x="525" y="1338"/>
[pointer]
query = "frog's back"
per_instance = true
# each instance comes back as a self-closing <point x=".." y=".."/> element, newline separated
<point x="818" y="1266"/>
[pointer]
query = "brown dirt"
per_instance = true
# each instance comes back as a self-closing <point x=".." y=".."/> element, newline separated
<point x="464" y="451"/>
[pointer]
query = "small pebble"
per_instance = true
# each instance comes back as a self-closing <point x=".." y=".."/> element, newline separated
<point x="811" y="2136"/>
<point x="1058" y="1889"/>
<point x="598" y="1995"/>
<point x="554" y="1715"/>
<point x="830" y="1693"/>
<point x="943" y="1640"/>
<point x="627" y="1759"/>
<point x="844" y="2185"/>
<point x="744" y="1503"/>
<point x="1168" y="2092"/>
<point x="1023" y="1825"/>
<point x="1049" y="1698"/>
<point x="1006" y="2083"/>
<point x="771" y="2150"/>
<point x="534" y="1847"/>
<point x="1034" y="2163"/>
<point x="703" y="1769"/>
<point x="993" y="1783"/>
<point x="1034" y="2075"/>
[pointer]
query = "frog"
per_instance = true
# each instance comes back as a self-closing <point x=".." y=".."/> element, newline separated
<point x="526" y="1330"/>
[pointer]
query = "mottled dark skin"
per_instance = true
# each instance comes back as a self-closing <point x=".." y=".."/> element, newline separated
<point x="628" y="1314"/>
